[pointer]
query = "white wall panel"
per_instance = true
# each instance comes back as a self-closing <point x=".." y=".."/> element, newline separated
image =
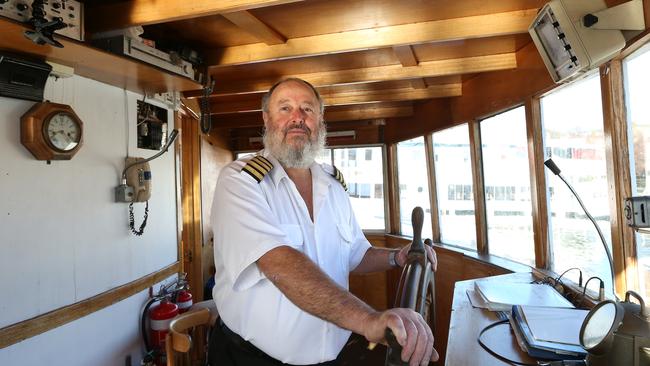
<point x="63" y="239"/>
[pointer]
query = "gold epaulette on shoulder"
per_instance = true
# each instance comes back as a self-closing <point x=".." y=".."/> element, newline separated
<point x="258" y="167"/>
<point x="339" y="177"/>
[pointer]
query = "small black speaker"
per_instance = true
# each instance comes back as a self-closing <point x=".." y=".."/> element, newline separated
<point x="22" y="78"/>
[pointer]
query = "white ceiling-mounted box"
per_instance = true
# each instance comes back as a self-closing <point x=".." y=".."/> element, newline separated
<point x="567" y="46"/>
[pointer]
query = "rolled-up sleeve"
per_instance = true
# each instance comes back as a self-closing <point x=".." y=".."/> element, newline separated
<point x="244" y="228"/>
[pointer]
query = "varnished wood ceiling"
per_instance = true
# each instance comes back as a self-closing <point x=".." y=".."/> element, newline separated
<point x="371" y="59"/>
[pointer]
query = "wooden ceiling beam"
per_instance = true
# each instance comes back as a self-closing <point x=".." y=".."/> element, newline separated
<point x="394" y="95"/>
<point x="479" y="26"/>
<point x="143" y="12"/>
<point x="419" y="83"/>
<point x="406" y="57"/>
<point x="373" y="111"/>
<point x="459" y="66"/>
<point x="251" y="24"/>
<point x="252" y="103"/>
<point x="353" y="113"/>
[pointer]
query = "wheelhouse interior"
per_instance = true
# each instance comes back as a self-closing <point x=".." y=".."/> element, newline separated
<point x="446" y="105"/>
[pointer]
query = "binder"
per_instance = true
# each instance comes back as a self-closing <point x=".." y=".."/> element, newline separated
<point x="557" y="332"/>
<point x="501" y="296"/>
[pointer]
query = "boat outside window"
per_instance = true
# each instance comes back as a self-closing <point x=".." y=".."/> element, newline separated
<point x="507" y="186"/>
<point x="454" y="187"/>
<point x="574" y="137"/>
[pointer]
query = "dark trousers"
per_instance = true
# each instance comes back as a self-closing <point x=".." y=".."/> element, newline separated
<point x="227" y="348"/>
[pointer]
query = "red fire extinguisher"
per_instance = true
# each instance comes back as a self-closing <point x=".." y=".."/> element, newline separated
<point x="184" y="301"/>
<point x="160" y="316"/>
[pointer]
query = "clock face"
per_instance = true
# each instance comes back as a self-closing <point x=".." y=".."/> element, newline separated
<point x="62" y="131"/>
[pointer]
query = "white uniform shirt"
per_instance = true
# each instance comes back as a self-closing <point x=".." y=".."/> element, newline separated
<point x="251" y="218"/>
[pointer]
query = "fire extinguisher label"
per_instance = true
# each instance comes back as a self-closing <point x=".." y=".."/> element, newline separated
<point x="185" y="305"/>
<point x="160" y="325"/>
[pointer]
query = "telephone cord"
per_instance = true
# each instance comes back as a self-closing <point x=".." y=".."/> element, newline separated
<point x="493" y="353"/>
<point x="132" y="219"/>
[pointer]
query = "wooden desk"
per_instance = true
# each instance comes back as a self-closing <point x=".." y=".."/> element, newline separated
<point x="467" y="322"/>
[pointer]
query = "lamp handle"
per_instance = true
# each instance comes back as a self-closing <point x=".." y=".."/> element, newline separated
<point x="640" y="299"/>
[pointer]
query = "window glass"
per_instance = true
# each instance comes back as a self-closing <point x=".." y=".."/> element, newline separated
<point x="573" y="137"/>
<point x="637" y="87"/>
<point x="413" y="184"/>
<point x="325" y="157"/>
<point x="365" y="181"/>
<point x="454" y="186"/>
<point x="507" y="186"/>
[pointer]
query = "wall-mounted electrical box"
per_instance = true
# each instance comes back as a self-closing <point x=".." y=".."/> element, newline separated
<point x="152" y="126"/>
<point x="637" y="211"/>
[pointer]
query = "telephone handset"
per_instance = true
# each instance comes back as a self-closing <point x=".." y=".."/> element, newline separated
<point x="138" y="177"/>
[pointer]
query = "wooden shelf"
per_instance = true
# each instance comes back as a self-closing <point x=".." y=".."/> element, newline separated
<point x="96" y="64"/>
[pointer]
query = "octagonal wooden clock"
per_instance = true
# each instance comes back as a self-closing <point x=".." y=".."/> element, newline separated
<point x="51" y="131"/>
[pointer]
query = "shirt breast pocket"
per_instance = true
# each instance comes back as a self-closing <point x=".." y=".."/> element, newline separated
<point x="294" y="234"/>
<point x="345" y="232"/>
<point x="346" y="238"/>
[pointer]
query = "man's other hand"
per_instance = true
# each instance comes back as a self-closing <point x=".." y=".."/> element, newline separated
<point x="411" y="331"/>
<point x="402" y="255"/>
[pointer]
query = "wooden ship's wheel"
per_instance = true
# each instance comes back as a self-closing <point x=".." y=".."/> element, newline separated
<point x="416" y="290"/>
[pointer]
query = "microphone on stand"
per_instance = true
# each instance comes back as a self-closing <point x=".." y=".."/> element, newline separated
<point x="554" y="168"/>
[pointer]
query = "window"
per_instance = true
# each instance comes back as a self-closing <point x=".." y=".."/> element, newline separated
<point x="413" y="185"/>
<point x="365" y="180"/>
<point x="505" y="165"/>
<point x="454" y="187"/>
<point x="636" y="70"/>
<point x="573" y="133"/>
<point x="352" y="154"/>
<point x="325" y="157"/>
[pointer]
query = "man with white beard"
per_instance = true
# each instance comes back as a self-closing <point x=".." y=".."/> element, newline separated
<point x="285" y="241"/>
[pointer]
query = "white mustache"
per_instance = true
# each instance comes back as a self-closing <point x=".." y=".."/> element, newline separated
<point x="299" y="127"/>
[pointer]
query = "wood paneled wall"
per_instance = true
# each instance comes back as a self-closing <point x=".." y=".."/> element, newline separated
<point x="371" y="287"/>
<point x="215" y="155"/>
<point x="490" y="93"/>
<point x="430" y="116"/>
<point x="191" y="238"/>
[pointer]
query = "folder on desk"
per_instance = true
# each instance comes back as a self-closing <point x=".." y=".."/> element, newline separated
<point x="502" y="296"/>
<point x="548" y="332"/>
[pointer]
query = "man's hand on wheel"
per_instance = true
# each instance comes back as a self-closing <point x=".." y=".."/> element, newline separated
<point x="402" y="255"/>
<point x="411" y="331"/>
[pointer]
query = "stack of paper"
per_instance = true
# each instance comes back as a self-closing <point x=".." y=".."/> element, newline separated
<point x="502" y="296"/>
<point x="548" y="332"/>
